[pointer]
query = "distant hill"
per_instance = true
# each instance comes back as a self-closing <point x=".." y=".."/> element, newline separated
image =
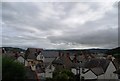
<point x="79" y="51"/>
<point x="13" y="49"/>
<point x="98" y="50"/>
<point x="114" y="51"/>
<point x="71" y="51"/>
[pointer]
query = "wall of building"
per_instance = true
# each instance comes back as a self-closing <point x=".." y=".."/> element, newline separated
<point x="109" y="73"/>
<point x="89" y="75"/>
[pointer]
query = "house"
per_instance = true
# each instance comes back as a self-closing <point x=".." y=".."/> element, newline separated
<point x="45" y="69"/>
<point x="22" y="60"/>
<point x="31" y="53"/>
<point x="62" y="61"/>
<point x="40" y="57"/>
<point x="39" y="63"/>
<point x="118" y="72"/>
<point x="99" y="69"/>
<point x="92" y="69"/>
<point x="31" y="56"/>
<point x="109" y="73"/>
<point x="49" y="71"/>
<point x="49" y="68"/>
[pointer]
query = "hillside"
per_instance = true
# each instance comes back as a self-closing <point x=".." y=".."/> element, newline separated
<point x="13" y="49"/>
<point x="114" y="51"/>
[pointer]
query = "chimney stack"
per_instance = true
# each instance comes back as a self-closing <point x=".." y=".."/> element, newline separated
<point x="59" y="54"/>
<point x="67" y="55"/>
<point x="75" y="58"/>
<point x="62" y="54"/>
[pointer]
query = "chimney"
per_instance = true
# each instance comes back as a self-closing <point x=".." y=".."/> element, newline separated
<point x="16" y="55"/>
<point x="62" y="54"/>
<point x="68" y="55"/>
<point x="36" y="50"/>
<point x="59" y="54"/>
<point x="75" y="58"/>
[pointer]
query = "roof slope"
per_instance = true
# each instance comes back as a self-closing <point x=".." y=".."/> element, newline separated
<point x="97" y="66"/>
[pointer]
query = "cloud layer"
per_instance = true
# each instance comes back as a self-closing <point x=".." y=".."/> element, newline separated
<point x="60" y="24"/>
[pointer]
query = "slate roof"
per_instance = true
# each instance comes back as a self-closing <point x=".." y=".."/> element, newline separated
<point x="50" y="53"/>
<point x="31" y="52"/>
<point x="97" y="70"/>
<point x="97" y="66"/>
<point x="117" y="65"/>
<point x="80" y="58"/>
<point x="96" y="63"/>
<point x="63" y="61"/>
<point x="117" y="72"/>
<point x="58" y="61"/>
<point x="76" y="65"/>
<point x="50" y="60"/>
<point x="31" y="56"/>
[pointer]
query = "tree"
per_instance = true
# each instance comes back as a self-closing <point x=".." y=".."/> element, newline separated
<point x="63" y="75"/>
<point x="11" y="70"/>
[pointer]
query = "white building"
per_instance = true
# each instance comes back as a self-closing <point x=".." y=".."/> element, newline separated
<point x="98" y="69"/>
<point x="22" y="60"/>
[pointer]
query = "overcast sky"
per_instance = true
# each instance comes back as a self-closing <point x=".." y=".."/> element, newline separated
<point x="60" y="25"/>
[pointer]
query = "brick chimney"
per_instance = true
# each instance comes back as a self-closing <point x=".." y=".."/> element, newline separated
<point x="16" y="55"/>
<point x="62" y="54"/>
<point x="68" y="55"/>
<point x="75" y="58"/>
<point x="59" y="54"/>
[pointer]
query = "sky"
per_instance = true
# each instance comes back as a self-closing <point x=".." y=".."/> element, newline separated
<point x="60" y="25"/>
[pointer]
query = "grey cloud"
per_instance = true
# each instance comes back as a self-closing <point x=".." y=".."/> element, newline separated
<point x="91" y="34"/>
<point x="42" y="25"/>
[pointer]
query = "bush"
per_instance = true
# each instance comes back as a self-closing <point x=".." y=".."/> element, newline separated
<point x="63" y="75"/>
<point x="11" y="70"/>
<point x="49" y="79"/>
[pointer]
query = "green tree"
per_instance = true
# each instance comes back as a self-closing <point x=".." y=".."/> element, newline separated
<point x="11" y="70"/>
<point x="63" y="75"/>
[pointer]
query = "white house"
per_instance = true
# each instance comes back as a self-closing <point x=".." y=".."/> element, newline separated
<point x="86" y="73"/>
<point x="49" y="68"/>
<point x="45" y="69"/>
<point x="40" y="57"/>
<point x="22" y="60"/>
<point x="49" y="71"/>
<point x="109" y="72"/>
<point x="89" y="75"/>
<point x="98" y="69"/>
